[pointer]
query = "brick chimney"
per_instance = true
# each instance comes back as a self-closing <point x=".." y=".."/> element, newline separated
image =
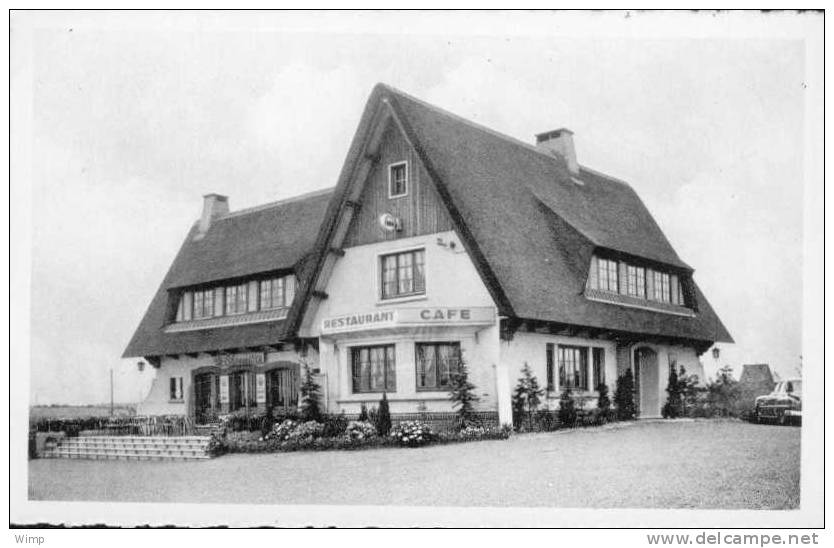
<point x="214" y="205"/>
<point x="560" y="143"/>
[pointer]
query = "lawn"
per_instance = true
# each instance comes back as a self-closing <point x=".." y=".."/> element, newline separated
<point x="697" y="464"/>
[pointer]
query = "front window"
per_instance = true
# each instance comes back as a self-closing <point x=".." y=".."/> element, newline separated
<point x="236" y="299"/>
<point x="436" y="363"/>
<point x="573" y="367"/>
<point x="403" y="274"/>
<point x="373" y="368"/>
<point x="398" y="180"/>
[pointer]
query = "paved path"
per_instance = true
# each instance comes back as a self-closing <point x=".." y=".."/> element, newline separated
<point x="700" y="464"/>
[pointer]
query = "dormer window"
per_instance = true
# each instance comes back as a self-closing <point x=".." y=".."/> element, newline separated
<point x="398" y="179"/>
<point x="203" y="304"/>
<point x="236" y="299"/>
<point x="661" y="287"/>
<point x="277" y="292"/>
<point x="608" y="278"/>
<point x="636" y="281"/>
<point x="627" y="283"/>
<point x="249" y="296"/>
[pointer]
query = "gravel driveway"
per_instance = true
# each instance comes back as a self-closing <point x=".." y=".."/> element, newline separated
<point x="674" y="464"/>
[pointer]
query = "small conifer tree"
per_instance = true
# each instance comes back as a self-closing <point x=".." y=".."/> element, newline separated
<point x="624" y="396"/>
<point x="674" y="402"/>
<point x="310" y="397"/>
<point x="527" y="395"/>
<point x="462" y="394"/>
<point x="383" y="419"/>
<point x="363" y="412"/>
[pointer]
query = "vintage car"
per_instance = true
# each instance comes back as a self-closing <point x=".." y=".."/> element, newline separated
<point x="783" y="405"/>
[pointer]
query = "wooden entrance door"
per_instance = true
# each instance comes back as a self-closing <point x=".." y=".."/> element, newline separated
<point x="282" y="389"/>
<point x="647" y="381"/>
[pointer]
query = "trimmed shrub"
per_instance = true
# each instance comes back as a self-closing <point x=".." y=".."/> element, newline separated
<point x="673" y="408"/>
<point x="603" y="410"/>
<point x="334" y="425"/>
<point x="383" y="419"/>
<point x="363" y="412"/>
<point x="624" y="397"/>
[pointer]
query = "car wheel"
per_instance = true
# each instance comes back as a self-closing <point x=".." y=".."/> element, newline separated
<point x="757" y="415"/>
<point x="783" y="420"/>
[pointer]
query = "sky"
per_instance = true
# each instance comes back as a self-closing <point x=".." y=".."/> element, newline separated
<point x="132" y="123"/>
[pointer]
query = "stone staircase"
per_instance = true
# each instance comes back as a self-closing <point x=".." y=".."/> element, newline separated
<point x="131" y="448"/>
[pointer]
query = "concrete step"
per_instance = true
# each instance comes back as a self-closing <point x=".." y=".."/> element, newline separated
<point x="143" y="451"/>
<point x="132" y="448"/>
<point x="116" y="443"/>
<point x="94" y="455"/>
<point x="146" y="439"/>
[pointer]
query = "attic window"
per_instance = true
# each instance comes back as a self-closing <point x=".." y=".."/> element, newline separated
<point x="622" y="282"/>
<point x="398" y="179"/>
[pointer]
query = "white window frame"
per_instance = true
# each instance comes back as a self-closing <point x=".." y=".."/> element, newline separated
<point x="377" y="273"/>
<point x="390" y="186"/>
<point x="179" y="384"/>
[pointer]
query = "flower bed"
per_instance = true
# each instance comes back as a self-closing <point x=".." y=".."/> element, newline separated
<point x="307" y="436"/>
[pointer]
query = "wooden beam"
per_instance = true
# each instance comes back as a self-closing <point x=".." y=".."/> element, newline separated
<point x="319" y="294"/>
<point x="192" y="354"/>
<point x="173" y="356"/>
<point x="354" y="204"/>
<point x="339" y="252"/>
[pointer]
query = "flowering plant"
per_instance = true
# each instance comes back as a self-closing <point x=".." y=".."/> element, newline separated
<point x="291" y="430"/>
<point x="473" y="432"/>
<point x="412" y="433"/>
<point x="360" y="430"/>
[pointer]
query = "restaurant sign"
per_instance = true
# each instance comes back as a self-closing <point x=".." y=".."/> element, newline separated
<point x="407" y="317"/>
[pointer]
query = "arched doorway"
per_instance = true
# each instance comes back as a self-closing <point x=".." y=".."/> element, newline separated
<point x="647" y="382"/>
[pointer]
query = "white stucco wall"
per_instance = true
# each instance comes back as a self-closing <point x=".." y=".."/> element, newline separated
<point x="531" y="348"/>
<point x="158" y="402"/>
<point x="451" y="281"/>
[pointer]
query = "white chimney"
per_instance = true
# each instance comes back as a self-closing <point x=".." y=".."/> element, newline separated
<point x="214" y="205"/>
<point x="560" y="142"/>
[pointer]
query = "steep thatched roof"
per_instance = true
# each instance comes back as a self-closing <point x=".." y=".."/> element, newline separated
<point x="530" y="226"/>
<point x="275" y="237"/>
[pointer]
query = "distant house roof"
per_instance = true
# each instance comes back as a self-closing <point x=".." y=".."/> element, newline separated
<point x="529" y="225"/>
<point x="270" y="238"/>
<point x="756" y="373"/>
